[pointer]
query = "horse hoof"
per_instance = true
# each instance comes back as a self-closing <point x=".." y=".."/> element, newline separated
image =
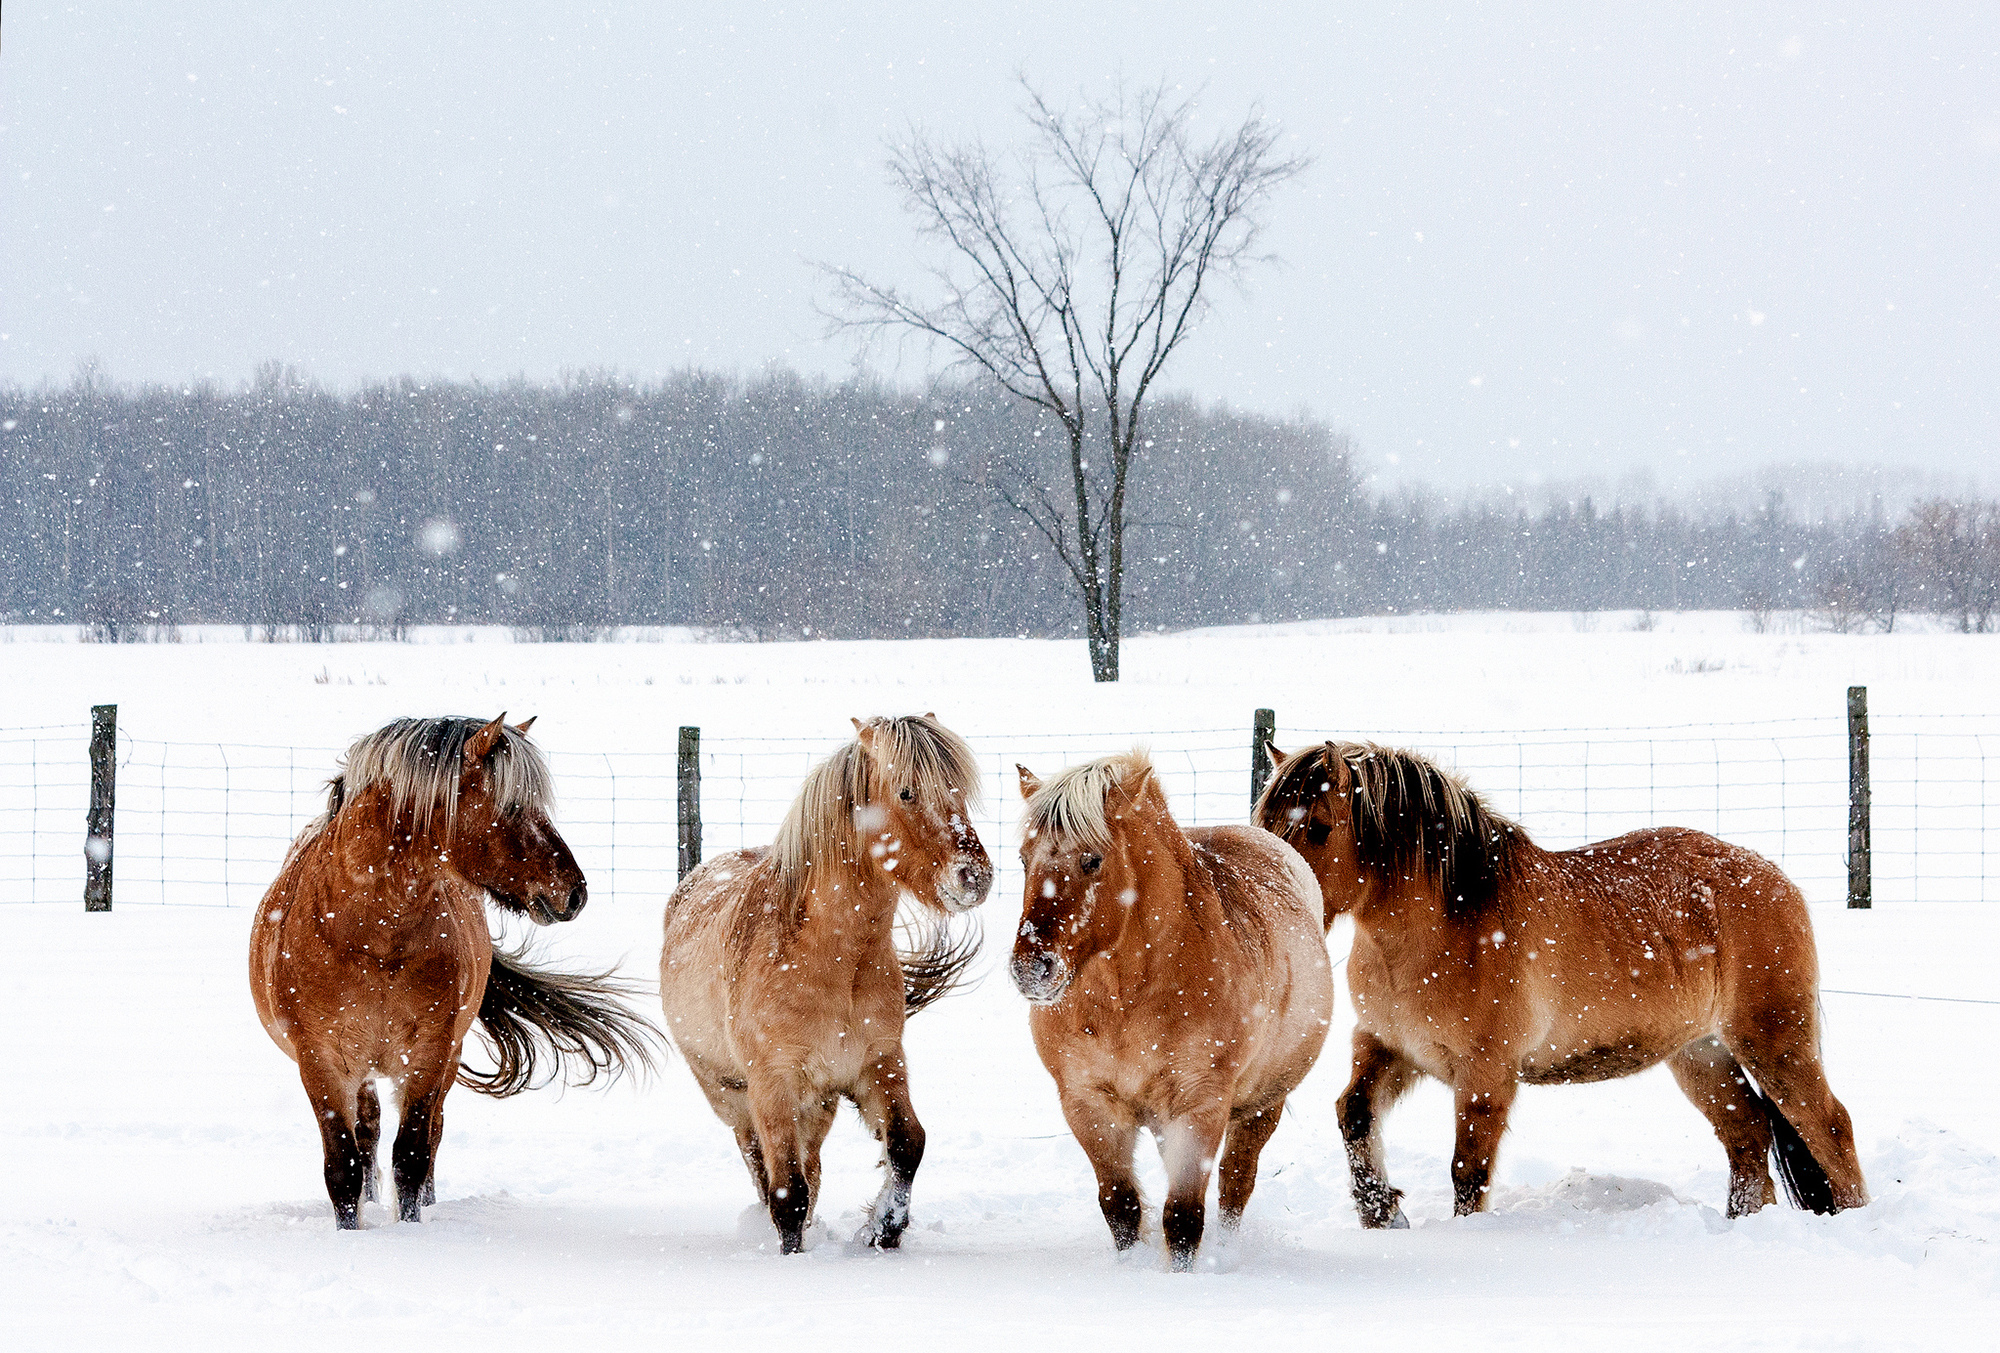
<point x="1399" y="1222"/>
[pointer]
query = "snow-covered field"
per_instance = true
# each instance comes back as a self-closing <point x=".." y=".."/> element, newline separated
<point x="163" y="1174"/>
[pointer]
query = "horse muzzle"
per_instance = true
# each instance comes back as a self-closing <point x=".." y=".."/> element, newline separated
<point x="1042" y="978"/>
<point x="964" y="883"/>
<point x="543" y="909"/>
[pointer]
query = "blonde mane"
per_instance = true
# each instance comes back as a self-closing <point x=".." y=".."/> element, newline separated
<point x="820" y="829"/>
<point x="1070" y="804"/>
<point x="421" y="759"/>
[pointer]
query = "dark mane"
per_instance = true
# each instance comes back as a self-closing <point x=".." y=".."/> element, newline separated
<point x="1411" y="817"/>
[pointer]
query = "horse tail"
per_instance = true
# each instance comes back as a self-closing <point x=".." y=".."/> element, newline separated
<point x="539" y="1024"/>
<point x="935" y="965"/>
<point x="1805" y="1180"/>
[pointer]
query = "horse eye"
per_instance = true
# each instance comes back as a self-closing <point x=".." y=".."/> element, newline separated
<point x="1317" y="832"/>
<point x="907" y="795"/>
<point x="1091" y="863"/>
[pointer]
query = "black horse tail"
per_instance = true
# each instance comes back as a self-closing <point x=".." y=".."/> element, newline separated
<point x="1805" y="1180"/>
<point x="540" y="1024"/>
<point x="935" y="965"/>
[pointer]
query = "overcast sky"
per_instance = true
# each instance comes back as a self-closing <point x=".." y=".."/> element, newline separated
<point x="1537" y="240"/>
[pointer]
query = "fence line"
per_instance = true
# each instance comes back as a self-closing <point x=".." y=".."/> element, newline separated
<point x="206" y="824"/>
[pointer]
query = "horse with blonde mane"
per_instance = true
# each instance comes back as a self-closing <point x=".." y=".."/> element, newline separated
<point x="1178" y="982"/>
<point x="780" y="975"/>
<point x="370" y="955"/>
<point x="1486" y="961"/>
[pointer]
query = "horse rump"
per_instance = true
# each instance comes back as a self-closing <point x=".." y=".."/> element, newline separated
<point x="539" y="1023"/>
<point x="1806" y="1182"/>
<point x="935" y="962"/>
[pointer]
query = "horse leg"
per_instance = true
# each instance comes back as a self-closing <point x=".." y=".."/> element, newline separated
<point x="367" y="1135"/>
<point x="1783" y="1054"/>
<point x="815" y="1121"/>
<point x="1381" y="1077"/>
<point x="1716" y="1085"/>
<point x="1189" y="1151"/>
<point x="775" y="1109"/>
<point x="333" y="1106"/>
<point x="430" y="1192"/>
<point x="1247" y="1134"/>
<point x="1107" y="1131"/>
<point x="753" y="1157"/>
<point x="1482" y="1119"/>
<point x="884" y="1101"/>
<point x="414" y="1154"/>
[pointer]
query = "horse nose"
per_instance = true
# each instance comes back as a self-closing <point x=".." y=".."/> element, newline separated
<point x="1033" y="972"/>
<point x="577" y="897"/>
<point x="974" y="878"/>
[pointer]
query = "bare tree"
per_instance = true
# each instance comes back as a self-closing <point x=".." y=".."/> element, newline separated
<point x="1952" y="550"/>
<point x="1068" y="271"/>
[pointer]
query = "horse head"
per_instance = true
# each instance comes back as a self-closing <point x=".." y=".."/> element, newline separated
<point x="913" y="820"/>
<point x="1085" y="844"/>
<point x="503" y="839"/>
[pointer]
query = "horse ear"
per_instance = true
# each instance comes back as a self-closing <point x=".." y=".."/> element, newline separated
<point x="1271" y="750"/>
<point x="481" y="744"/>
<point x="1030" y="782"/>
<point x="931" y="714"/>
<point x="526" y="723"/>
<point x="864" y="733"/>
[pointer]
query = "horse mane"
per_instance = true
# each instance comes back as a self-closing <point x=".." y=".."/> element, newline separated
<point x="420" y="761"/>
<point x="1070" y="803"/>
<point x="1411" y="817"/>
<point x="820" y="830"/>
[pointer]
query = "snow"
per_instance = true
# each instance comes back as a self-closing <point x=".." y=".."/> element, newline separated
<point x="164" y="1189"/>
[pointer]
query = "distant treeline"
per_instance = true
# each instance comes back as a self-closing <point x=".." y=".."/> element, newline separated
<point x="776" y="507"/>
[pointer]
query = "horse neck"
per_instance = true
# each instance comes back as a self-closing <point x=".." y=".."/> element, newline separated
<point x="366" y="841"/>
<point x="1177" y="901"/>
<point x="845" y="909"/>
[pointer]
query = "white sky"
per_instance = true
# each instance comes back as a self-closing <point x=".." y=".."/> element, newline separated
<point x="1538" y="240"/>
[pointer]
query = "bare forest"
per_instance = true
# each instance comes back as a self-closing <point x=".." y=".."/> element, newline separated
<point x="775" y="507"/>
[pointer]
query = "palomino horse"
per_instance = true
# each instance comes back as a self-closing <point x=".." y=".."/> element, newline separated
<point x="370" y="955"/>
<point x="780" y="975"/>
<point x="1484" y="960"/>
<point x="1179" y="982"/>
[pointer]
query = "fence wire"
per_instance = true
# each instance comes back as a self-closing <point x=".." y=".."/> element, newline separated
<point x="207" y="824"/>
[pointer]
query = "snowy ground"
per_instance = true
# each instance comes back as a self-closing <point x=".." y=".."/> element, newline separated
<point x="164" y="1184"/>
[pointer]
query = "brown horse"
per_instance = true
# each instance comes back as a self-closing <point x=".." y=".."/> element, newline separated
<point x="780" y="975"/>
<point x="1179" y="983"/>
<point x="370" y="956"/>
<point x="1485" y="961"/>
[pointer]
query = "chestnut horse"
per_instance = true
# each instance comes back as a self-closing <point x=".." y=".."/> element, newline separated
<point x="780" y="975"/>
<point x="370" y="955"/>
<point x="1486" y="961"/>
<point x="1179" y="983"/>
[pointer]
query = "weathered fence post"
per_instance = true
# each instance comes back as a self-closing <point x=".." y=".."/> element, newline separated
<point x="1263" y="728"/>
<point x="103" y="817"/>
<point x="690" y="800"/>
<point x="1860" y="876"/>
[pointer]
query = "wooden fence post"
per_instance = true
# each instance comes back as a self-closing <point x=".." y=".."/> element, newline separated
<point x="103" y="818"/>
<point x="1263" y="728"/>
<point x="690" y="800"/>
<point x="1860" y="876"/>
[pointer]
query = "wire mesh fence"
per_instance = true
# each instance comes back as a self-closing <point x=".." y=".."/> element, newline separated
<point x="207" y="824"/>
